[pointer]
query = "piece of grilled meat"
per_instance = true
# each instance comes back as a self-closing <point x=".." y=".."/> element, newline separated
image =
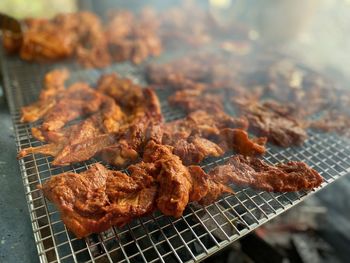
<point x="272" y="120"/>
<point x="202" y="134"/>
<point x="94" y="200"/>
<point x="253" y="172"/>
<point x="53" y="87"/>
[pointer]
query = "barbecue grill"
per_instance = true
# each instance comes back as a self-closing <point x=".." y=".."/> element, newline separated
<point x="196" y="235"/>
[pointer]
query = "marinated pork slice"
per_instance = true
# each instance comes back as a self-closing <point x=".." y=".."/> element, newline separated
<point x="253" y="172"/>
<point x="238" y="140"/>
<point x="332" y="121"/>
<point x="173" y="177"/>
<point x="192" y="100"/>
<point x="95" y="200"/>
<point x="195" y="149"/>
<point x="53" y="87"/>
<point x="206" y="189"/>
<point x="279" y="126"/>
<point x="201" y="135"/>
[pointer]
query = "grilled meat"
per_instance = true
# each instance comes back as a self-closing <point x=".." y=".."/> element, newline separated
<point x="206" y="189"/>
<point x="192" y="100"/>
<point x="53" y="87"/>
<point x="201" y="135"/>
<point x="253" y="172"/>
<point x="178" y="184"/>
<point x="77" y="143"/>
<point x="276" y="123"/>
<point x="94" y="200"/>
<point x="78" y="100"/>
<point x="238" y="140"/>
<point x="133" y="38"/>
<point x="66" y="35"/>
<point x="195" y="149"/>
<point x="141" y="126"/>
<point x="332" y="121"/>
<point x="173" y="177"/>
<point x="82" y="36"/>
<point x="116" y="134"/>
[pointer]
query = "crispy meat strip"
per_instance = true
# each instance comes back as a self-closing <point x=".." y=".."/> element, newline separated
<point x="273" y="121"/>
<point x="57" y="106"/>
<point x="285" y="177"/>
<point x="201" y="71"/>
<point x="121" y="147"/>
<point x="78" y="137"/>
<point x="92" y="47"/>
<point x="165" y="75"/>
<point x="195" y="149"/>
<point x="202" y="123"/>
<point x="109" y="133"/>
<point x="44" y="41"/>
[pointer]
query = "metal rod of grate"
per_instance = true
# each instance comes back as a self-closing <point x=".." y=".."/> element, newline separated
<point x="200" y="232"/>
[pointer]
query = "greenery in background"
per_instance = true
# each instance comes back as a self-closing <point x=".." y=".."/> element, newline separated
<point x="36" y="8"/>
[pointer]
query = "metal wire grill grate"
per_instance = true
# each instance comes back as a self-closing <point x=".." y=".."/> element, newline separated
<point x="200" y="232"/>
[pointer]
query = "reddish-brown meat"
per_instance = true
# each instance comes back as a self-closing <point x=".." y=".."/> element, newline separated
<point x="77" y="143"/>
<point x="278" y="125"/>
<point x="123" y="90"/>
<point x="82" y="36"/>
<point x="53" y="87"/>
<point x="173" y="177"/>
<point x="95" y="200"/>
<point x="78" y="100"/>
<point x="332" y="121"/>
<point x="238" y="140"/>
<point x="133" y="38"/>
<point x="178" y="184"/>
<point x="192" y="100"/>
<point x="195" y="149"/>
<point x="254" y="172"/>
<point x="202" y="134"/>
<point x="83" y="140"/>
<point x="205" y="124"/>
<point x="206" y="189"/>
<point x="117" y="134"/>
<point x="141" y="126"/>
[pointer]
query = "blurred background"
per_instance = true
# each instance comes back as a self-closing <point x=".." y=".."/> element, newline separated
<point x="316" y="30"/>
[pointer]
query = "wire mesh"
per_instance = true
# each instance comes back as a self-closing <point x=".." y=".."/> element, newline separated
<point x="200" y="232"/>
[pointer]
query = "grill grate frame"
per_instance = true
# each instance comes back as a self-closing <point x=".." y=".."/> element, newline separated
<point x="199" y="233"/>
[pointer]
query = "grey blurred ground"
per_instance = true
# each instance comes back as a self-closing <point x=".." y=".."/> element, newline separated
<point x="16" y="236"/>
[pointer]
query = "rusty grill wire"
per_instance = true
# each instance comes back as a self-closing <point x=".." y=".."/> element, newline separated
<point x="200" y="232"/>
